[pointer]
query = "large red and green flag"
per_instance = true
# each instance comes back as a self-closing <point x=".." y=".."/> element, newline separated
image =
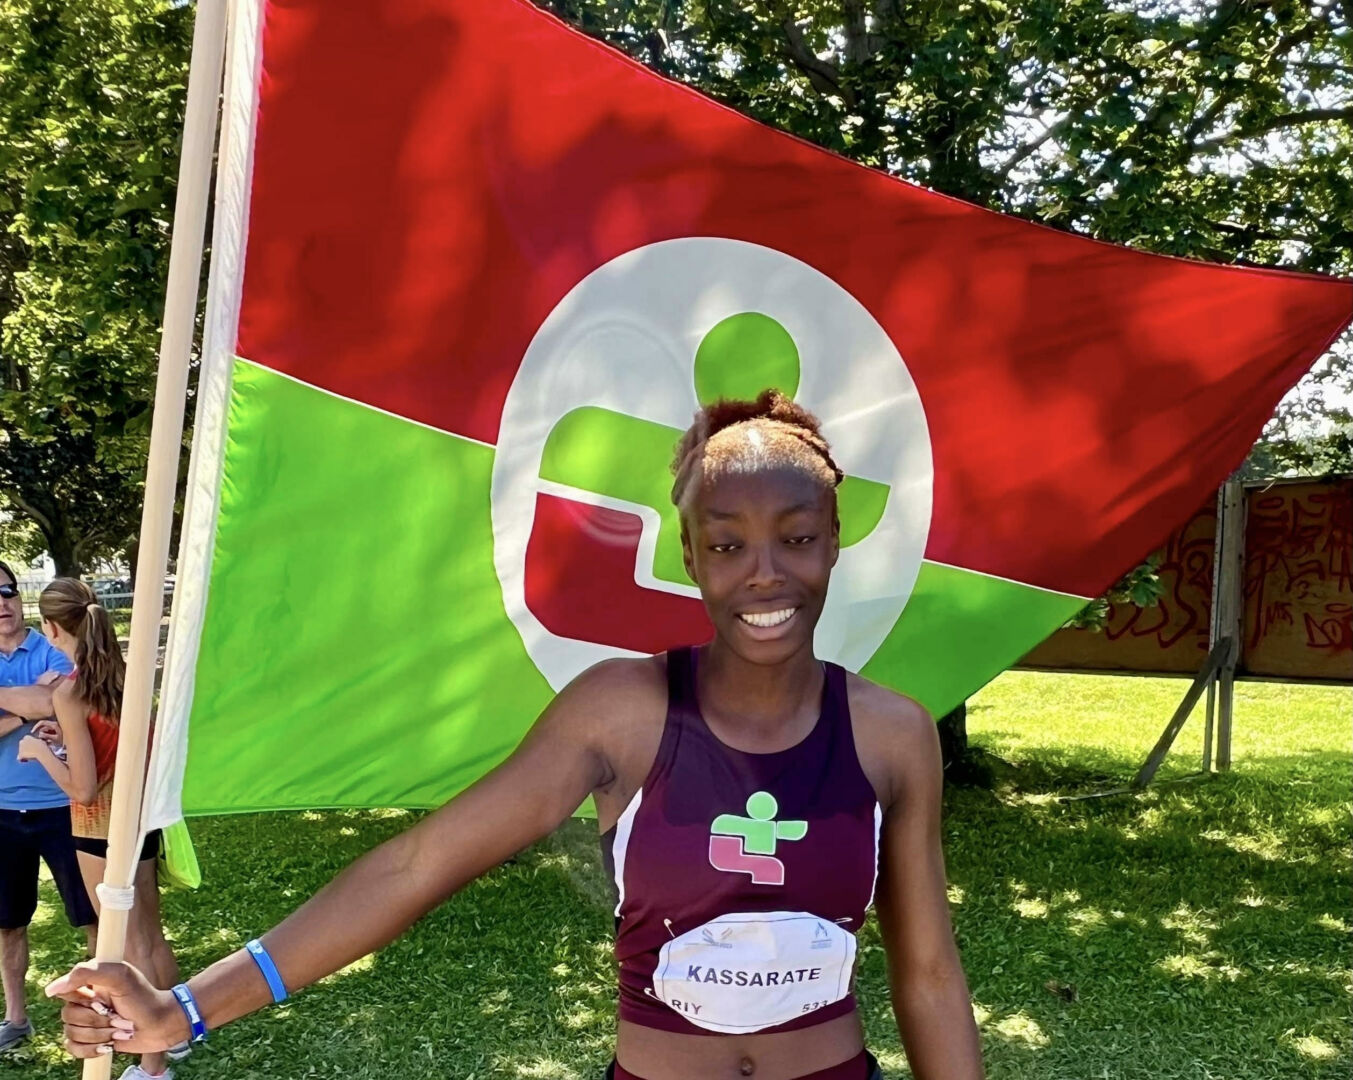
<point x="472" y="274"/>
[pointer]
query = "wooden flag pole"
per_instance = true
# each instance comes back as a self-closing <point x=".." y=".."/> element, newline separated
<point x="166" y="437"/>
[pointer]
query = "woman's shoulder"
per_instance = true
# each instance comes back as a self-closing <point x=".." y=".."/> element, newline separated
<point x="616" y="708"/>
<point x="895" y="736"/>
<point x="624" y="680"/>
<point x="611" y="697"/>
<point x="879" y="706"/>
<point x="63" y="690"/>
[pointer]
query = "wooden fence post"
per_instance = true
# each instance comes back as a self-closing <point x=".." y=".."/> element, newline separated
<point x="1228" y="606"/>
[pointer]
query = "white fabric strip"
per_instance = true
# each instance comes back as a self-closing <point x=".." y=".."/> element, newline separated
<point x="878" y="834"/>
<point x="163" y="803"/>
<point x="115" y="897"/>
<point x="621" y="845"/>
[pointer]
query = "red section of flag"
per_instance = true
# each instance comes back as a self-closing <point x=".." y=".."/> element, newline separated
<point x="432" y="176"/>
<point x="580" y="582"/>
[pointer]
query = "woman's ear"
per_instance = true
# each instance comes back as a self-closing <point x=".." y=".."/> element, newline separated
<point x="687" y="559"/>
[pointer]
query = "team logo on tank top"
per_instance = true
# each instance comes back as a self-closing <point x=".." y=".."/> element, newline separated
<point x="747" y="845"/>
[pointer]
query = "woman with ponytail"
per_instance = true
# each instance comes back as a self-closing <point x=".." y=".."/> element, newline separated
<point x="88" y="705"/>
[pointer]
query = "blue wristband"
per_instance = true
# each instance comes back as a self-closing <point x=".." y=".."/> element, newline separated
<point x="269" y="969"/>
<point x="188" y="1004"/>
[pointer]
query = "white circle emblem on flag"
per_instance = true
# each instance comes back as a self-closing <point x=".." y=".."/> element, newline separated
<point x="585" y="542"/>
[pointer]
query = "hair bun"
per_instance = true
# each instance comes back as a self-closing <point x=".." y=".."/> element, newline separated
<point x="769" y="405"/>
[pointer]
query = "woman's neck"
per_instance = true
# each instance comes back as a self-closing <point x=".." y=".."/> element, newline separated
<point x="761" y="700"/>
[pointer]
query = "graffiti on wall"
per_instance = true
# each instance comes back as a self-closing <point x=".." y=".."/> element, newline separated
<point x="1298" y="595"/>
<point x="1299" y="581"/>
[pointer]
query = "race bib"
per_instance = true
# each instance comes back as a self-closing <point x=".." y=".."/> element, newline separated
<point x="744" y="972"/>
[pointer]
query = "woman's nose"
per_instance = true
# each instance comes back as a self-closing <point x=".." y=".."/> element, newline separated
<point x="765" y="570"/>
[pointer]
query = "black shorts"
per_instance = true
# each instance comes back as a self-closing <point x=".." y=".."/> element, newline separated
<point x="93" y="846"/>
<point x="26" y="836"/>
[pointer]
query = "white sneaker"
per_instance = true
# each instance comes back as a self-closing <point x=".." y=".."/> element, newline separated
<point x="135" y="1072"/>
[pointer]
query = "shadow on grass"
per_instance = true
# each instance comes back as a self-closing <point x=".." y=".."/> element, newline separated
<point x="1202" y="926"/>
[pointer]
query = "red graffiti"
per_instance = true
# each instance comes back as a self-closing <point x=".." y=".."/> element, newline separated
<point x="1299" y="557"/>
<point x="1182" y="616"/>
<point x="1297" y="589"/>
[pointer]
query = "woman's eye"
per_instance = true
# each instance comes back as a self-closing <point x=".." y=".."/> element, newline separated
<point x="800" y="540"/>
<point x="723" y="549"/>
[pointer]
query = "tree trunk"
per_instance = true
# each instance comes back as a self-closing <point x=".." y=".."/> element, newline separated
<point x="64" y="548"/>
<point x="953" y="728"/>
<point x="964" y="765"/>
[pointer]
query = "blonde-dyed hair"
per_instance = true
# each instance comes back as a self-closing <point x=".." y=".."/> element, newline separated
<point x="99" y="668"/>
<point x="736" y="436"/>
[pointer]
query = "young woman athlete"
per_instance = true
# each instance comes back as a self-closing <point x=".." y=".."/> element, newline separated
<point x="87" y="705"/>
<point x="753" y="803"/>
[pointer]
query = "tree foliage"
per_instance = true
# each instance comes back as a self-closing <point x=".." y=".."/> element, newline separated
<point x="91" y="105"/>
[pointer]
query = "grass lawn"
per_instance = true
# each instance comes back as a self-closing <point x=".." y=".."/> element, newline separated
<point x="1200" y="931"/>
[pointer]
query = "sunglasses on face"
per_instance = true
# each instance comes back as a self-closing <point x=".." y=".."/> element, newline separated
<point x="8" y="592"/>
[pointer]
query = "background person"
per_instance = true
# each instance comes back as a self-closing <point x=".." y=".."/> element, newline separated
<point x="88" y="704"/>
<point x="34" y="814"/>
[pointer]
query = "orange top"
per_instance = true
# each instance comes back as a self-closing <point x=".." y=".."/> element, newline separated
<point x="91" y="820"/>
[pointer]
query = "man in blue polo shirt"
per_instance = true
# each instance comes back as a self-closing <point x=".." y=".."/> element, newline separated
<point x="34" y="812"/>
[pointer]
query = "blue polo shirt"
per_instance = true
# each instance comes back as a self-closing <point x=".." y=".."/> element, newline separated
<point x="25" y="785"/>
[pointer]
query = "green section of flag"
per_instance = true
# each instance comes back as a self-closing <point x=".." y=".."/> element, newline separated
<point x="960" y="630"/>
<point x="623" y="457"/>
<point x="356" y="651"/>
<point x="743" y="355"/>
<point x="859" y="504"/>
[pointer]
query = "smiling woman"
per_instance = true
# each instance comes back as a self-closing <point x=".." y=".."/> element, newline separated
<point x="756" y="487"/>
<point x="754" y="802"/>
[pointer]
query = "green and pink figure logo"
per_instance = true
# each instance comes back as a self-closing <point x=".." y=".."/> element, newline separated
<point x="747" y="845"/>
<point x="587" y="545"/>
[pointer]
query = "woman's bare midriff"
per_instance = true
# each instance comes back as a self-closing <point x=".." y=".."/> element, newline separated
<point x="665" y="1055"/>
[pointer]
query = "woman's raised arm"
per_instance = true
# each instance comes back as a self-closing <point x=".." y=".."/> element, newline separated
<point x="77" y="776"/>
<point x="380" y="895"/>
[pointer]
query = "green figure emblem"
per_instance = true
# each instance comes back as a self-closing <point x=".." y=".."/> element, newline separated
<point x="759" y="830"/>
<point x="624" y="457"/>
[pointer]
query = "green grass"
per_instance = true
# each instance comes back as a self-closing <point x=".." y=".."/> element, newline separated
<point x="1205" y="927"/>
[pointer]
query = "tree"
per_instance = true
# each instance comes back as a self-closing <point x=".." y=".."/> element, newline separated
<point x="20" y="541"/>
<point x="91" y="106"/>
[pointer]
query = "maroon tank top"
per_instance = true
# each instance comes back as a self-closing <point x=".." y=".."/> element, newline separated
<point x="742" y="878"/>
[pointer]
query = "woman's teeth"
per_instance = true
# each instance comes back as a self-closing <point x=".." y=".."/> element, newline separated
<point x="767" y="618"/>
